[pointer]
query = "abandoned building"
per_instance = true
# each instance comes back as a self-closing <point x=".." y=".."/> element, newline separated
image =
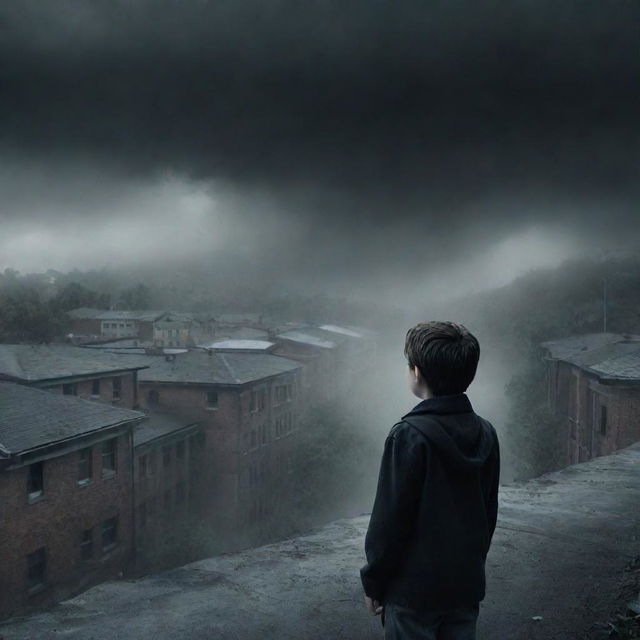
<point x="594" y="386"/>
<point x="75" y="371"/>
<point x="65" y="495"/>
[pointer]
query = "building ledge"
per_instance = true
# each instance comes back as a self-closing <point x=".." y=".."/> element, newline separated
<point x="560" y="547"/>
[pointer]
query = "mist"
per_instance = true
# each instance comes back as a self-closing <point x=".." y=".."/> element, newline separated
<point x="372" y="164"/>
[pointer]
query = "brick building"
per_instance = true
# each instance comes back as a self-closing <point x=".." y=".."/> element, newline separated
<point x="168" y="459"/>
<point x="66" y="510"/>
<point x="248" y="406"/>
<point x="594" y="386"/>
<point x="88" y="373"/>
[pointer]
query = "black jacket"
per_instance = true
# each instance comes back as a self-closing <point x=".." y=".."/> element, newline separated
<point x="435" y="508"/>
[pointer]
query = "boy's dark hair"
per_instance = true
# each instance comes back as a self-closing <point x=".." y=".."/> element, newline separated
<point x="446" y="353"/>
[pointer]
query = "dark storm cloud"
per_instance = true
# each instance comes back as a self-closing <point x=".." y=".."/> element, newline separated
<point x="470" y="119"/>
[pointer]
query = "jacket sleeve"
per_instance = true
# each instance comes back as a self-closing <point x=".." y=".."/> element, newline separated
<point x="402" y="474"/>
<point x="491" y="490"/>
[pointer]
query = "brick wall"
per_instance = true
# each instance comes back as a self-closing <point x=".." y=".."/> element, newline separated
<point x="57" y="520"/>
<point x="126" y="397"/>
<point x="239" y="441"/>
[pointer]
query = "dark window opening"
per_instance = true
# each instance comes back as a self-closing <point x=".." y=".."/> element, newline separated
<point x="109" y="533"/>
<point x="603" y="420"/>
<point x="35" y="480"/>
<point x="180" y="450"/>
<point x="85" y="465"/>
<point x="109" y="456"/>
<point x="69" y="389"/>
<point x="95" y="388"/>
<point x="153" y="396"/>
<point x="212" y="399"/>
<point x="86" y="545"/>
<point x="166" y="456"/>
<point x="117" y="388"/>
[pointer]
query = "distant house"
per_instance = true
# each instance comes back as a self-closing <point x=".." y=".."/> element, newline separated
<point x="114" y="323"/>
<point x="75" y="371"/>
<point x="248" y="406"/>
<point x="173" y="330"/>
<point x="594" y="384"/>
<point x="65" y="495"/>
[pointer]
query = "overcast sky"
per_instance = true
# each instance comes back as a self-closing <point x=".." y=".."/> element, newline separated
<point x="413" y="145"/>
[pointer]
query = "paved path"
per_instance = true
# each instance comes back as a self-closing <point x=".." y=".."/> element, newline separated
<point x="559" y="551"/>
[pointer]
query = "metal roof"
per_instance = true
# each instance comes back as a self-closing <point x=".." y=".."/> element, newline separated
<point x="566" y="348"/>
<point x="310" y="337"/>
<point x="34" y="362"/>
<point x="231" y="345"/>
<point x="32" y="418"/>
<point x="86" y="313"/>
<point x="201" y="367"/>
<point x="342" y="330"/>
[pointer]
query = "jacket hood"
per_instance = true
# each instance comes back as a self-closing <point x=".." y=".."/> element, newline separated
<point x="460" y="436"/>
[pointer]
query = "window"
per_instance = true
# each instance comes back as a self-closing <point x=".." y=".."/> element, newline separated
<point x="95" y="387"/>
<point x="264" y="433"/>
<point x="603" y="420"/>
<point x="117" y="388"/>
<point x="35" y="481"/>
<point x="166" y="456"/>
<point x="253" y="404"/>
<point x="69" y="389"/>
<point x="254" y="438"/>
<point x="86" y="545"/>
<point x="262" y="399"/>
<point x="283" y="393"/>
<point x="167" y="500"/>
<point x="85" y="465"/>
<point x="153" y="396"/>
<point x="109" y="534"/>
<point x="180" y="493"/>
<point x="109" y="457"/>
<point x="180" y="450"/>
<point x="36" y="569"/>
<point x="212" y="399"/>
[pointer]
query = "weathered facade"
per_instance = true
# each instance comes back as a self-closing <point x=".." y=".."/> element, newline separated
<point x="168" y="486"/>
<point x="248" y="406"/>
<point x="594" y="387"/>
<point x="66" y="519"/>
<point x="88" y="373"/>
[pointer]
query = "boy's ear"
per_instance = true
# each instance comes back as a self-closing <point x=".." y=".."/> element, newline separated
<point x="416" y="373"/>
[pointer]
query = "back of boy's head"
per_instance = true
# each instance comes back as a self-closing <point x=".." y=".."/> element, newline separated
<point x="446" y="353"/>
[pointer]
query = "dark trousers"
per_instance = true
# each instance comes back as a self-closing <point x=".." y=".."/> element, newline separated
<point x="401" y="623"/>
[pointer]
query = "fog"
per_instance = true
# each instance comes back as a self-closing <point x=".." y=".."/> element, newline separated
<point x="406" y="156"/>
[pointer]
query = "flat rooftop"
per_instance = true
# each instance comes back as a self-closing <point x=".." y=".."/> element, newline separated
<point x="560" y="547"/>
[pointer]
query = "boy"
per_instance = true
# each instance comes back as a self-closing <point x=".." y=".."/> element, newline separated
<point x="436" y="503"/>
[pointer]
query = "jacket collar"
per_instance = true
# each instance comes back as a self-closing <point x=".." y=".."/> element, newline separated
<point x="458" y="403"/>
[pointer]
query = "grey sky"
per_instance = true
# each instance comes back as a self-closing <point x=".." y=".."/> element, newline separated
<point x="443" y="145"/>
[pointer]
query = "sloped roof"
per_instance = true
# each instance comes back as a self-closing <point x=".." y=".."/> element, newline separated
<point x="609" y="355"/>
<point x="31" y="418"/>
<point x="87" y="313"/>
<point x="201" y="367"/>
<point x="314" y="336"/>
<point x="567" y="348"/>
<point x="159" y="425"/>
<point x="36" y="362"/>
